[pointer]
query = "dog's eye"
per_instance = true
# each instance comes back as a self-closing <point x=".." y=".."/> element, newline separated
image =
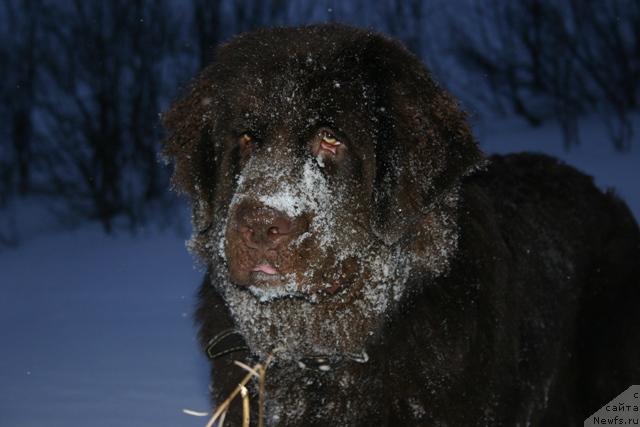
<point x="326" y="143"/>
<point x="245" y="139"/>
<point x="246" y="142"/>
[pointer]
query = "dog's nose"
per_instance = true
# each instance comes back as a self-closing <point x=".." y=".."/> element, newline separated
<point x="262" y="227"/>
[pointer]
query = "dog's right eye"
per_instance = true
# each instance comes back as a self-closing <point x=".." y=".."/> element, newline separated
<point x="245" y="139"/>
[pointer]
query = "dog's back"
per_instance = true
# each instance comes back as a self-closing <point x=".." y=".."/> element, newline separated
<point x="573" y="284"/>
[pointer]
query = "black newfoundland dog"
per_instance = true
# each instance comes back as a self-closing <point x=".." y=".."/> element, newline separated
<point x="352" y="229"/>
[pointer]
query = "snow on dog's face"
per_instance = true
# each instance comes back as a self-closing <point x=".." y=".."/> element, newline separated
<point x="322" y="175"/>
<point x="292" y="228"/>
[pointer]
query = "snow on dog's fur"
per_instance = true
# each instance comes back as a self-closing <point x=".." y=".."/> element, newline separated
<point x="341" y="211"/>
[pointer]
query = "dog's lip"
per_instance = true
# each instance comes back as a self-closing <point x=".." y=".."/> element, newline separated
<point x="259" y="276"/>
<point x="265" y="268"/>
<point x="263" y="280"/>
<point x="266" y="274"/>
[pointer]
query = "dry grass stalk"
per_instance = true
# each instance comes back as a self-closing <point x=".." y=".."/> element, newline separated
<point x="248" y="368"/>
<point x="246" y="412"/>
<point x="221" y="420"/>
<point x="258" y="371"/>
<point x="195" y="413"/>
<point x="261" y="393"/>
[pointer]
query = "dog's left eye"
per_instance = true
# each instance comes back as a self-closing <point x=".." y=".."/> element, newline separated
<point x="327" y="143"/>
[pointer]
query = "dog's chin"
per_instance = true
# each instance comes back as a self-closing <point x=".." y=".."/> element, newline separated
<point x="269" y="293"/>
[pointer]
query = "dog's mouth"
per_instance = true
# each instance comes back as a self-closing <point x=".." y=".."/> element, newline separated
<point x="265" y="269"/>
<point x="264" y="274"/>
<point x="266" y="283"/>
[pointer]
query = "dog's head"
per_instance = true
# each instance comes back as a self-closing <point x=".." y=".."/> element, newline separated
<point x="323" y="165"/>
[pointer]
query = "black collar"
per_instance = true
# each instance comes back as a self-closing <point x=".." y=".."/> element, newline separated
<point x="225" y="342"/>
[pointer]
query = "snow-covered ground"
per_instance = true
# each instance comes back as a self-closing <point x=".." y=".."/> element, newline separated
<point x="97" y="330"/>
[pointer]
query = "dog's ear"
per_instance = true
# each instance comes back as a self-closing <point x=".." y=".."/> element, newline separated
<point x="425" y="146"/>
<point x="189" y="124"/>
